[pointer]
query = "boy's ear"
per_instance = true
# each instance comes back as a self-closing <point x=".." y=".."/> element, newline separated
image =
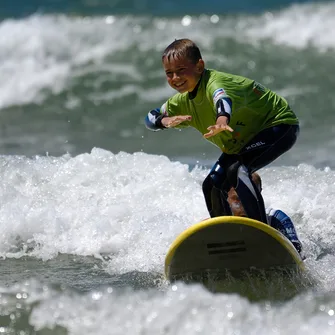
<point x="200" y="65"/>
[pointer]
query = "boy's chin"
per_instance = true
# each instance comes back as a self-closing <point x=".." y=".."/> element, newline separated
<point x="182" y="90"/>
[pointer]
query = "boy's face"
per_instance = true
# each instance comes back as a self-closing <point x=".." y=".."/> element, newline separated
<point x="182" y="74"/>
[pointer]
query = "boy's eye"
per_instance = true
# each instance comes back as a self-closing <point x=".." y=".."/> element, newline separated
<point x="177" y="72"/>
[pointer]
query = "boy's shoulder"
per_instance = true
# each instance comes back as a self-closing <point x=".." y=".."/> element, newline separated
<point x="175" y="104"/>
<point x="213" y="75"/>
<point x="223" y="75"/>
<point x="217" y="78"/>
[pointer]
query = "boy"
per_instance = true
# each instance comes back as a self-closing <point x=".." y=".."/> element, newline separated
<point x="249" y="123"/>
<point x="275" y="218"/>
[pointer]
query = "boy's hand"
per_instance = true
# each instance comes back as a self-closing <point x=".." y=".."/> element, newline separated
<point x="221" y="125"/>
<point x="172" y="121"/>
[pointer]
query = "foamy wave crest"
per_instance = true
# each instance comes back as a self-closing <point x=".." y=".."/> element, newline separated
<point x="178" y="309"/>
<point x="125" y="205"/>
<point x="43" y="55"/>
<point x="297" y="26"/>
<point x="130" y="207"/>
<point x="40" y="54"/>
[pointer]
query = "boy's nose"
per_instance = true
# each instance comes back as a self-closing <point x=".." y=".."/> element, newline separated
<point x="175" y="76"/>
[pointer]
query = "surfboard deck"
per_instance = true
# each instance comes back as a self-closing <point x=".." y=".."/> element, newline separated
<point x="229" y="244"/>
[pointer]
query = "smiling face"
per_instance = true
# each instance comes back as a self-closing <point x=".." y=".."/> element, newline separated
<point x="182" y="74"/>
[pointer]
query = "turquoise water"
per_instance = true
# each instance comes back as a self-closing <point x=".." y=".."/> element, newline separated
<point x="90" y="200"/>
<point x="144" y="7"/>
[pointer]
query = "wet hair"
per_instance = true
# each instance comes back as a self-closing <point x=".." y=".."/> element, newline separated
<point x="182" y="48"/>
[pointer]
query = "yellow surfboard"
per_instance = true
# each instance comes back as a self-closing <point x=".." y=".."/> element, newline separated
<point x="229" y="243"/>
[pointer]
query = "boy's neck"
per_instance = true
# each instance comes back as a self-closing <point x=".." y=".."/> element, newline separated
<point x="193" y="94"/>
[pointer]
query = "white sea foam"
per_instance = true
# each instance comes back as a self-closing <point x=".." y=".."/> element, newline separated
<point x="97" y="203"/>
<point x="298" y="26"/>
<point x="42" y="53"/>
<point x="132" y="206"/>
<point x="180" y="309"/>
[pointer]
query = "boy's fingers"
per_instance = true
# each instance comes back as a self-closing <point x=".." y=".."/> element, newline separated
<point x="180" y="119"/>
<point x="184" y="118"/>
<point x="213" y="130"/>
<point x="209" y="134"/>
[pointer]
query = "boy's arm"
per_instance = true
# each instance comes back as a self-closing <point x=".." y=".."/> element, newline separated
<point x="153" y="121"/>
<point x="168" y="116"/>
<point x="174" y="121"/>
<point x="223" y="106"/>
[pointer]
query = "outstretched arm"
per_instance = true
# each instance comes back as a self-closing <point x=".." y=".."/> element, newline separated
<point x="155" y="120"/>
<point x="173" y="121"/>
<point x="223" y="105"/>
<point x="221" y="125"/>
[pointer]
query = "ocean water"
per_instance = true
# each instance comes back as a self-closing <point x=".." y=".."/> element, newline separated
<point x="90" y="200"/>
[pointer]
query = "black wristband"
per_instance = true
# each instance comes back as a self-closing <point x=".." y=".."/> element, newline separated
<point x="158" y="122"/>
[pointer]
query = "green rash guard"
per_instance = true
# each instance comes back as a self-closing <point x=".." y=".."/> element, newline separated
<point x="254" y="108"/>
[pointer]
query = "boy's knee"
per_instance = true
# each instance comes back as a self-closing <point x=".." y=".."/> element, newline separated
<point x="232" y="173"/>
<point x="207" y="184"/>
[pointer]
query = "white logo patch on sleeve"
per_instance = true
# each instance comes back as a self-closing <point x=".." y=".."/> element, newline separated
<point x="152" y="118"/>
<point x="219" y="94"/>
<point x="163" y="109"/>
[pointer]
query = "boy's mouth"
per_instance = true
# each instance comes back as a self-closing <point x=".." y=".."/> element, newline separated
<point x="180" y="85"/>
